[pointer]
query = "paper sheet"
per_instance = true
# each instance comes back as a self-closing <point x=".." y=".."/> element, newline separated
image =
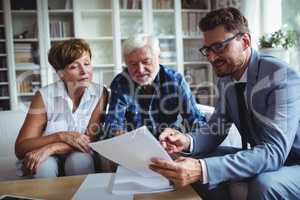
<point x="128" y="182"/>
<point x="133" y="150"/>
<point x="96" y="186"/>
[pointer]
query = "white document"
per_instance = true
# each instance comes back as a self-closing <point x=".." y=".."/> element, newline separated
<point x="97" y="186"/>
<point x="128" y="182"/>
<point x="133" y="150"/>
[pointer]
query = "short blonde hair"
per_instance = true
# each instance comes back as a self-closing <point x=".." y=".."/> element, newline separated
<point x="64" y="53"/>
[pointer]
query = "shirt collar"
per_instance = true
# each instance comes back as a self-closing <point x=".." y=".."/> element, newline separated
<point x="62" y="92"/>
<point x="243" y="79"/>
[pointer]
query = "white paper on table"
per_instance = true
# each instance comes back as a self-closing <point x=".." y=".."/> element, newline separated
<point x="128" y="182"/>
<point x="96" y="186"/>
<point x="133" y="150"/>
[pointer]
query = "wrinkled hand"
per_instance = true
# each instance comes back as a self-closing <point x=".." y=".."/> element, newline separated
<point x="33" y="159"/>
<point x="182" y="172"/>
<point x="173" y="141"/>
<point x="77" y="140"/>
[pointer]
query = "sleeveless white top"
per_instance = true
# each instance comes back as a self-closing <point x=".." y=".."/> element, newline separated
<point x="59" y="106"/>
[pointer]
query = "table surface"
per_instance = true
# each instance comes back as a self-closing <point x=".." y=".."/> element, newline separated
<point x="63" y="188"/>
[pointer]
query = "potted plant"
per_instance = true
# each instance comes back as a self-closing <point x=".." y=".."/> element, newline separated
<point x="279" y="43"/>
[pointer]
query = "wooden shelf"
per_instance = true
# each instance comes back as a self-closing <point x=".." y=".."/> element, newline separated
<point x="23" y="12"/>
<point x="3" y="83"/>
<point x="163" y="11"/>
<point x="196" y="10"/>
<point x="26" y="40"/>
<point x="26" y="94"/>
<point x="96" y="12"/>
<point x="4" y="97"/>
<point x="102" y="38"/>
<point x="60" y="11"/>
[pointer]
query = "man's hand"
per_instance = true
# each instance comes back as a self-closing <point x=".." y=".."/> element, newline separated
<point x="181" y="172"/>
<point x="33" y="159"/>
<point x="174" y="141"/>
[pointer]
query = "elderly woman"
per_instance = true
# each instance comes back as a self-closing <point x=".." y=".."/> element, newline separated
<point x="63" y="117"/>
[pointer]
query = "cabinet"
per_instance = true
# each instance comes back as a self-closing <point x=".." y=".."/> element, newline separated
<point x="197" y="70"/>
<point x="4" y="83"/>
<point x="32" y="27"/>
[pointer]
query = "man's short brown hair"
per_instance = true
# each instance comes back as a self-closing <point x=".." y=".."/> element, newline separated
<point x="64" y="53"/>
<point x="231" y="18"/>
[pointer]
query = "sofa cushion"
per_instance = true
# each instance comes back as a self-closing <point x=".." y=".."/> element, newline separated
<point x="8" y="169"/>
<point x="233" y="139"/>
<point x="10" y="123"/>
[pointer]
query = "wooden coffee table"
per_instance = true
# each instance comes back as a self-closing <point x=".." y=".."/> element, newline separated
<point x="63" y="188"/>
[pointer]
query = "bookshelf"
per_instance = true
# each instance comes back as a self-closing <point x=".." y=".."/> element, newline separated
<point x="26" y="49"/>
<point x="197" y="70"/>
<point x="32" y="27"/>
<point x="164" y="28"/>
<point x="4" y="81"/>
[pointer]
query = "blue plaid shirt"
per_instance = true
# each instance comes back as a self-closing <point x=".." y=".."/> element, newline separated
<point x="169" y="103"/>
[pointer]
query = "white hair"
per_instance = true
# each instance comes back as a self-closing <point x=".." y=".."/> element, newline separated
<point x="139" y="41"/>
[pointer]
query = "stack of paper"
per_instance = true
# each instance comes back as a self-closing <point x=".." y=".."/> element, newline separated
<point x="96" y="186"/>
<point x="128" y="182"/>
<point x="134" y="151"/>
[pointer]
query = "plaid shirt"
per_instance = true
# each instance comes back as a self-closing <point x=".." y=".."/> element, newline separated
<point x="169" y="103"/>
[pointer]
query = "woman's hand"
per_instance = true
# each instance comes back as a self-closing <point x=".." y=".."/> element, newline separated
<point x="76" y="140"/>
<point x="33" y="159"/>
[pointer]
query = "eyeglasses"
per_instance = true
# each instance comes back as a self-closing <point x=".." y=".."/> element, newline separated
<point x="218" y="47"/>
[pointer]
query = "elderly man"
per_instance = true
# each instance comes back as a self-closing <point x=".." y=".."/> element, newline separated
<point x="147" y="93"/>
<point x="260" y="95"/>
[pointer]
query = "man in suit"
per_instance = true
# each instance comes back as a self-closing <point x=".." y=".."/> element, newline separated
<point x="259" y="94"/>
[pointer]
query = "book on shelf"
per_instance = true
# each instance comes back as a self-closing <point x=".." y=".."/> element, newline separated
<point x="22" y="46"/>
<point x="68" y="4"/>
<point x="4" y="90"/>
<point x="2" y="34"/>
<point x="2" y="47"/>
<point x="3" y="76"/>
<point x="167" y="56"/>
<point x="195" y="4"/>
<point x="60" y="29"/>
<point x="190" y="21"/>
<point x="24" y="87"/>
<point x="163" y="4"/>
<point x="131" y="4"/>
<point x="3" y="62"/>
<point x="185" y="22"/>
<point x="23" y="57"/>
<point x="197" y="74"/>
<point x="227" y="3"/>
<point x="23" y="52"/>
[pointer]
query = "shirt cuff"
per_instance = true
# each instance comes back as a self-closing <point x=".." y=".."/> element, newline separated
<point x="189" y="151"/>
<point x="191" y="143"/>
<point x="204" y="171"/>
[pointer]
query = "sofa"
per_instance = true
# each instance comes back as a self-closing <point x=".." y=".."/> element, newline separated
<point x="11" y="122"/>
